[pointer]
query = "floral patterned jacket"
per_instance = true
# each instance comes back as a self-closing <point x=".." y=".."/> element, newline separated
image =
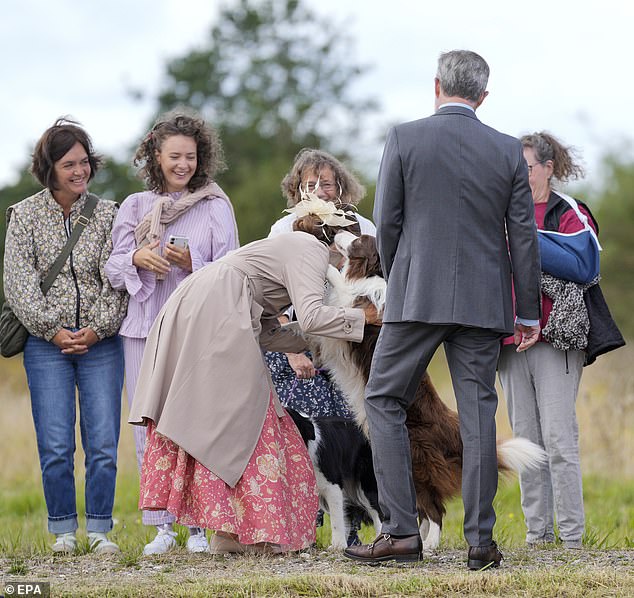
<point x="81" y="295"/>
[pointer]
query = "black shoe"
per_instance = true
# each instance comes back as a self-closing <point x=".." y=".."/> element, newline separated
<point x="484" y="557"/>
<point x="387" y="548"/>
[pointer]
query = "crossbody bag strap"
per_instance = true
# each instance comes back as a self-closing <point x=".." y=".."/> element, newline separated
<point x="572" y="202"/>
<point x="78" y="228"/>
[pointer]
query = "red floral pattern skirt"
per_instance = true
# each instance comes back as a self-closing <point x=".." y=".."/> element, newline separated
<point x="275" y="500"/>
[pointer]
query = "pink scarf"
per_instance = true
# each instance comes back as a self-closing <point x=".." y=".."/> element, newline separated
<point x="165" y="210"/>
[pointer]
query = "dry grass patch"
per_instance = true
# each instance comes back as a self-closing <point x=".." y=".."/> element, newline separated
<point x="544" y="573"/>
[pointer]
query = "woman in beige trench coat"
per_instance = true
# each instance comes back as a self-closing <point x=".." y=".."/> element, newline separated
<point x="221" y="452"/>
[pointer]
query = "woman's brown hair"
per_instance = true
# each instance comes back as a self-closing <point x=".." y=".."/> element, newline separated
<point x="209" y="153"/>
<point x="54" y="144"/>
<point x="312" y="225"/>
<point x="548" y="147"/>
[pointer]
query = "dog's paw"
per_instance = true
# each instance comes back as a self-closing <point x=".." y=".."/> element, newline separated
<point x="431" y="540"/>
<point x="338" y="545"/>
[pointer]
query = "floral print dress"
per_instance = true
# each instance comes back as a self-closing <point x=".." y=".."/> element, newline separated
<point x="315" y="397"/>
<point x="274" y="501"/>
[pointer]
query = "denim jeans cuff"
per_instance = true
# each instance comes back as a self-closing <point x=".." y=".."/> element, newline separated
<point x="62" y="525"/>
<point x="98" y="523"/>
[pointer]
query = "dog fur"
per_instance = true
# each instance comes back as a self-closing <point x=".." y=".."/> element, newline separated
<point x="342" y="460"/>
<point x="434" y="431"/>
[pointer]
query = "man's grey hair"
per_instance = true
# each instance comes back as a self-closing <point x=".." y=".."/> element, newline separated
<point x="463" y="73"/>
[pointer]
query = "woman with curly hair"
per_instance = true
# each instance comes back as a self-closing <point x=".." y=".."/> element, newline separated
<point x="300" y="384"/>
<point x="319" y="172"/>
<point x="182" y="222"/>
<point x="541" y="384"/>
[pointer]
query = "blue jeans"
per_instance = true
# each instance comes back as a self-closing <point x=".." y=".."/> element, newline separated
<point x="53" y="378"/>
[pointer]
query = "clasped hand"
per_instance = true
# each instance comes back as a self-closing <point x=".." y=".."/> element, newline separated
<point x="75" y="343"/>
<point x="147" y="259"/>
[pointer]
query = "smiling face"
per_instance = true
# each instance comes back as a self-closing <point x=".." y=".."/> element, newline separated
<point x="323" y="183"/>
<point x="71" y="174"/>
<point x="178" y="160"/>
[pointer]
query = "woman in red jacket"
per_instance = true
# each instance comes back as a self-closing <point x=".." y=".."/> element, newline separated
<point x="541" y="384"/>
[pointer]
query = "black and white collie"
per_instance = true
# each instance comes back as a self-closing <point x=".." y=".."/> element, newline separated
<point x="434" y="432"/>
<point x="342" y="461"/>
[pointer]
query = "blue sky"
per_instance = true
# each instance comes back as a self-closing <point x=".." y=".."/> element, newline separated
<point x="564" y="66"/>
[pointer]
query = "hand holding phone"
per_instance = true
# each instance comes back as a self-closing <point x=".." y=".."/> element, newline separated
<point x="176" y="251"/>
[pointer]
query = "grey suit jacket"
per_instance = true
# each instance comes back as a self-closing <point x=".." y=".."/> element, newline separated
<point x="450" y="192"/>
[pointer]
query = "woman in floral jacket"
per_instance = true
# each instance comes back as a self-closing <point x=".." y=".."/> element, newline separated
<point x="73" y="342"/>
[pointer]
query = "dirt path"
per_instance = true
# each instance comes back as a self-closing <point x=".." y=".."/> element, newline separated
<point x="123" y="575"/>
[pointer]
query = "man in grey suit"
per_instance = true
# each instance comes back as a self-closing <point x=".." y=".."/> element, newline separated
<point x="455" y="230"/>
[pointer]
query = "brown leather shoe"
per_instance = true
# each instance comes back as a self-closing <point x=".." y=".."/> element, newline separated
<point x="484" y="557"/>
<point x="387" y="548"/>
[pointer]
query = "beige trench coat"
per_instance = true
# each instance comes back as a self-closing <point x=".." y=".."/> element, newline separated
<point x="203" y="378"/>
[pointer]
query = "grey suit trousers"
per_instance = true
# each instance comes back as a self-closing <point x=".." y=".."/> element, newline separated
<point x="403" y="352"/>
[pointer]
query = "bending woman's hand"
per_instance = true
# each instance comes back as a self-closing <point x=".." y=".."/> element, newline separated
<point x="372" y="316"/>
<point x="301" y="365"/>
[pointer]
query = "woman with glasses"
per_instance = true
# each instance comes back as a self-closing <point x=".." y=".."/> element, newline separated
<point x="541" y="384"/>
<point x="300" y="383"/>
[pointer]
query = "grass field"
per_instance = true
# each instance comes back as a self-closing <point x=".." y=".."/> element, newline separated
<point x="604" y="568"/>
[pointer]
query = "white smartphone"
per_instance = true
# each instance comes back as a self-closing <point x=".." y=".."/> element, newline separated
<point x="179" y="241"/>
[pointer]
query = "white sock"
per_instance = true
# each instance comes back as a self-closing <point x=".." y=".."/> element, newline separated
<point x="165" y="527"/>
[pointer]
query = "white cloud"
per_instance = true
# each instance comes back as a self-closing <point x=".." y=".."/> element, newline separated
<point x="562" y="66"/>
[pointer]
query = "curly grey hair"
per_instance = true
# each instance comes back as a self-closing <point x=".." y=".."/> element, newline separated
<point x="309" y="160"/>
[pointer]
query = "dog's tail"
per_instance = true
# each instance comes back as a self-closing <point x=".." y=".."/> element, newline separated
<point x="518" y="454"/>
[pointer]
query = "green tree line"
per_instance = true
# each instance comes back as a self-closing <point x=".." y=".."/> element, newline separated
<point x="274" y="77"/>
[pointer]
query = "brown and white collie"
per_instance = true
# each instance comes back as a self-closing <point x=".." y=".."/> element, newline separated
<point x="434" y="432"/>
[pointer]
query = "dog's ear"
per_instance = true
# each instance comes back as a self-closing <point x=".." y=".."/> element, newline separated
<point x="372" y="254"/>
<point x="356" y="267"/>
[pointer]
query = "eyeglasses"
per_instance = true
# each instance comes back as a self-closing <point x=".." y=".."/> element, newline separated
<point x="530" y="166"/>
<point x="325" y="185"/>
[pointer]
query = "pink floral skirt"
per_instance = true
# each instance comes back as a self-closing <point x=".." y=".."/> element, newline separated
<point x="275" y="500"/>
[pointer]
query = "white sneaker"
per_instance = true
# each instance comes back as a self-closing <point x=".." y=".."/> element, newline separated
<point x="198" y="542"/>
<point x="65" y="543"/>
<point x="164" y="542"/>
<point x="100" y="544"/>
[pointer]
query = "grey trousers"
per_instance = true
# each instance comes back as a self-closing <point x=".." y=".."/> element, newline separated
<point x="402" y="354"/>
<point x="541" y="400"/>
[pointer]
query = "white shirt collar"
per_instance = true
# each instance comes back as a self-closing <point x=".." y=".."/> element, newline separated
<point x="460" y="104"/>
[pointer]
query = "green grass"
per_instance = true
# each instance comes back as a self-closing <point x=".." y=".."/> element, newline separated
<point x="606" y="419"/>
<point x="609" y="518"/>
